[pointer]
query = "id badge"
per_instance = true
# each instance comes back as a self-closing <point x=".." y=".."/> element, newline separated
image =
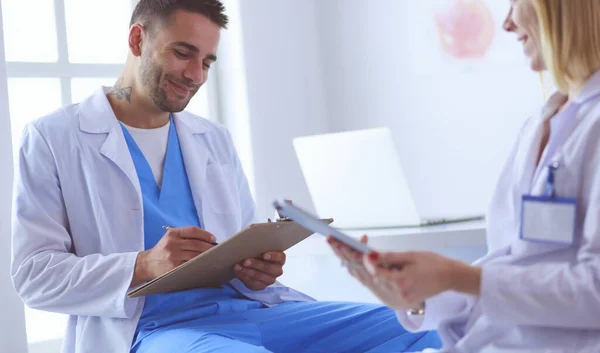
<point x="549" y="220"/>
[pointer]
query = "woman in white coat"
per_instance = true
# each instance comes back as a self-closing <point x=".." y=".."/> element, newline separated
<point x="538" y="289"/>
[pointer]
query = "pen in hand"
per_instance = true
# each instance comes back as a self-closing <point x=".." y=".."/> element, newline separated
<point x="171" y="227"/>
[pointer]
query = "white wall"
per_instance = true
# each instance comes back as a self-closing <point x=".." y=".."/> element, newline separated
<point x="12" y="321"/>
<point x="453" y="124"/>
<point x="285" y="92"/>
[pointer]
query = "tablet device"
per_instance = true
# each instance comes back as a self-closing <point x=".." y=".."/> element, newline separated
<point x="316" y="225"/>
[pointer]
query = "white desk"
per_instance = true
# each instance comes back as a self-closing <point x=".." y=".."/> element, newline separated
<point x="452" y="235"/>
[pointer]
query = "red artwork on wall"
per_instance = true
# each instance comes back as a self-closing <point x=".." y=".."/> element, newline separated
<point x="466" y="28"/>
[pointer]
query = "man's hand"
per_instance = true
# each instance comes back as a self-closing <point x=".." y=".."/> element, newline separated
<point x="258" y="274"/>
<point x="177" y="246"/>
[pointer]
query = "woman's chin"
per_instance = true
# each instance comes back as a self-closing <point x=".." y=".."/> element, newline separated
<point x="537" y="64"/>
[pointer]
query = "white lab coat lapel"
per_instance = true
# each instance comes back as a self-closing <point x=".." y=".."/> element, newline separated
<point x="523" y="170"/>
<point x="115" y="148"/>
<point x="97" y="117"/>
<point x="196" y="158"/>
<point x="527" y="159"/>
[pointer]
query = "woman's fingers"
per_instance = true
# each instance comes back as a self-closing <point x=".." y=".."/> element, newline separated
<point x="361" y="274"/>
<point x="343" y="251"/>
<point x="338" y="253"/>
<point x="377" y="262"/>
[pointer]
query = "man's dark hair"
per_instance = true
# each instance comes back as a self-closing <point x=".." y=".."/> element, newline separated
<point x="150" y="12"/>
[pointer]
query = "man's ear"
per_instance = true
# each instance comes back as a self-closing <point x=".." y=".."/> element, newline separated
<point x="136" y="36"/>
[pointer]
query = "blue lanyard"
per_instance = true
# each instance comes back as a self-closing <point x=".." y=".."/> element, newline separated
<point x="550" y="182"/>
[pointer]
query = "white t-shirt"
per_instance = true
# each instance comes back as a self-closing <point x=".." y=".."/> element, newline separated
<point x="153" y="144"/>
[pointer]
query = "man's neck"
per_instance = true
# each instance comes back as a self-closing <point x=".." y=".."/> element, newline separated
<point x="132" y="109"/>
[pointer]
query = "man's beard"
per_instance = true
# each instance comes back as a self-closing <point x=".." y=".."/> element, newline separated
<point x="151" y="74"/>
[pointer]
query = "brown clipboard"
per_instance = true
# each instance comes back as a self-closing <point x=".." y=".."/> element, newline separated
<point x="214" y="267"/>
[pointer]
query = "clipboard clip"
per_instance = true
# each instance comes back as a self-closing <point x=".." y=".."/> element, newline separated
<point x="281" y="218"/>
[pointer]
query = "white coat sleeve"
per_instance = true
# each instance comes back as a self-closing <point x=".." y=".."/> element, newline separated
<point x="46" y="273"/>
<point x="447" y="312"/>
<point x="442" y="309"/>
<point x="557" y="295"/>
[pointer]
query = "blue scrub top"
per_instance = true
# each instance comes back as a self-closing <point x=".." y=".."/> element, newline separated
<point x="173" y="204"/>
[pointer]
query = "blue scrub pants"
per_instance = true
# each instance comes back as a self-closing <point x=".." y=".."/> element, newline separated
<point x="291" y="327"/>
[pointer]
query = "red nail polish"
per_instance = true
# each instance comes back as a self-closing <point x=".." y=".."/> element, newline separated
<point x="374" y="256"/>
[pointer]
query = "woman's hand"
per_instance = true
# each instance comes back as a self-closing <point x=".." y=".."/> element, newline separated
<point x="417" y="276"/>
<point x="385" y="291"/>
<point x="404" y="280"/>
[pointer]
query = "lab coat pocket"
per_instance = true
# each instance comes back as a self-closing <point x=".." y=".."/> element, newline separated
<point x="221" y="189"/>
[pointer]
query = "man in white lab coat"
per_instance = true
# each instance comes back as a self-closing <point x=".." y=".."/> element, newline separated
<point x="97" y="181"/>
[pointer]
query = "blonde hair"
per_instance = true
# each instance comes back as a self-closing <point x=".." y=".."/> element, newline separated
<point x="570" y="33"/>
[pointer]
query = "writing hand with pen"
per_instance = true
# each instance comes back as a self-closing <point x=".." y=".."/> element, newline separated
<point x="179" y="245"/>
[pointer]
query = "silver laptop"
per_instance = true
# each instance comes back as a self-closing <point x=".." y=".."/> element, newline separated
<point x="357" y="179"/>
